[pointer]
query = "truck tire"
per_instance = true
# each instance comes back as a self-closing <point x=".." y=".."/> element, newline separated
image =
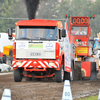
<point x="77" y="71"/>
<point x="93" y="71"/>
<point x="59" y="75"/>
<point x="17" y="75"/>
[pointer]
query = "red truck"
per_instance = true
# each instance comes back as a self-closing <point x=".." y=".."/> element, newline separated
<point x="38" y="50"/>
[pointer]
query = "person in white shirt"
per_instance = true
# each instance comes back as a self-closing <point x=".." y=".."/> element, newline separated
<point x="84" y="32"/>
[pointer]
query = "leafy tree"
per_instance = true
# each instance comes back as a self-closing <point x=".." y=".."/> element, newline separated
<point x="47" y="9"/>
<point x="11" y="9"/>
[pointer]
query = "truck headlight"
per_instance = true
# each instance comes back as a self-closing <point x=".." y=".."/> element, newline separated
<point x="51" y="64"/>
<point x="18" y="63"/>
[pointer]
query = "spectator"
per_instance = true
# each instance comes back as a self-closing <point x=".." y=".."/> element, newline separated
<point x="84" y="31"/>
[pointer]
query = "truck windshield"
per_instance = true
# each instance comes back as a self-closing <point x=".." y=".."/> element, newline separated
<point x="79" y="30"/>
<point x="36" y="33"/>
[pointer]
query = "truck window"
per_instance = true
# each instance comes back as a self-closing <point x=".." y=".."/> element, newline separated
<point x="37" y="33"/>
<point x="79" y="30"/>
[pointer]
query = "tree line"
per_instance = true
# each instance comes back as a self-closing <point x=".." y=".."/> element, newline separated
<point x="49" y="9"/>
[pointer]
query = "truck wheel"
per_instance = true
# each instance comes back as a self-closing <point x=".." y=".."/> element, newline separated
<point x="93" y="71"/>
<point x="77" y="71"/>
<point x="17" y="75"/>
<point x="59" y="75"/>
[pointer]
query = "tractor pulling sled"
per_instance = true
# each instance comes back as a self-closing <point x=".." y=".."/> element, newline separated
<point x="83" y="63"/>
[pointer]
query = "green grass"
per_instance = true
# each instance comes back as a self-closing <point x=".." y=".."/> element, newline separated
<point x="89" y="98"/>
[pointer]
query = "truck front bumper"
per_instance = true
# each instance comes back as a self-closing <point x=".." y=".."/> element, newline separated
<point x="36" y="65"/>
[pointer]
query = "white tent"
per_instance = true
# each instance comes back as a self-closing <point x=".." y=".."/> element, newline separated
<point x="4" y="41"/>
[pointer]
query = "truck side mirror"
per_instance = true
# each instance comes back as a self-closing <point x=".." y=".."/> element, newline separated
<point x="60" y="34"/>
<point x="10" y="33"/>
<point x="63" y="32"/>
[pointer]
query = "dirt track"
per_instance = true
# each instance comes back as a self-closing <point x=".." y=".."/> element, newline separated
<point x="46" y="89"/>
